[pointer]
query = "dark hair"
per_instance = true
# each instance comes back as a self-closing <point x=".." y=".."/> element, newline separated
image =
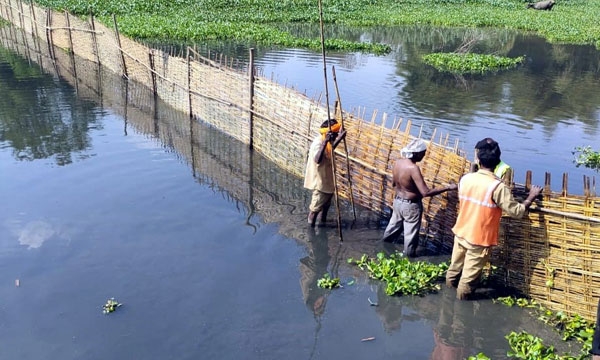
<point x="328" y="123"/>
<point x="488" y="153"/>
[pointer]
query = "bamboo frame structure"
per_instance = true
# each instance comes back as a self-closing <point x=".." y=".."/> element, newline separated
<point x="559" y="239"/>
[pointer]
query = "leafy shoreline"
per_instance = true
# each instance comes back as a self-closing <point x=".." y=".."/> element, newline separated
<point x="572" y="21"/>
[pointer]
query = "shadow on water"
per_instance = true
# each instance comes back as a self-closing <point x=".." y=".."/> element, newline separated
<point x="263" y="194"/>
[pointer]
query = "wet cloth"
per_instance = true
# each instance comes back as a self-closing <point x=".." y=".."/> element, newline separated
<point x="406" y="220"/>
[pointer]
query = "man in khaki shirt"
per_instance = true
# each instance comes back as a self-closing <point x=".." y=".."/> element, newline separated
<point x="319" y="170"/>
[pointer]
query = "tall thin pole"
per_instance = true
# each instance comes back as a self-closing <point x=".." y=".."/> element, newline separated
<point x="339" y="100"/>
<point x="337" y="200"/>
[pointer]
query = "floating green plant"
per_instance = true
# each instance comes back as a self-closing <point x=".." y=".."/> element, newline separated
<point x="327" y="282"/>
<point x="570" y="327"/>
<point x="403" y="276"/>
<point x="257" y="21"/>
<point x="469" y="63"/>
<point x="587" y="157"/>
<point x="110" y="306"/>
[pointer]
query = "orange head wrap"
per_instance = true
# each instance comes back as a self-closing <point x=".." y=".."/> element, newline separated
<point x="324" y="129"/>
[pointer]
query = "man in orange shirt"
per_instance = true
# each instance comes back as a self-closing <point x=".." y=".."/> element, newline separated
<point x="482" y="196"/>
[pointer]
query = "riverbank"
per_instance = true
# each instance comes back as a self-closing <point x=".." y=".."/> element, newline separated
<point x="575" y="22"/>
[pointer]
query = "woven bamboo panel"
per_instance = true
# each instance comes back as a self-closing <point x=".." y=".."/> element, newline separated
<point x="560" y="241"/>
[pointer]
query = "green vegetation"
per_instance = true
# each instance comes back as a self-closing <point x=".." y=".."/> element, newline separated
<point x="327" y="282"/>
<point x="402" y="276"/>
<point x="469" y="63"/>
<point x="527" y="346"/>
<point x="587" y="157"/>
<point x="571" y="21"/>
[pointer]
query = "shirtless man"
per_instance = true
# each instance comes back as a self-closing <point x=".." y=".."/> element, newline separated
<point x="410" y="190"/>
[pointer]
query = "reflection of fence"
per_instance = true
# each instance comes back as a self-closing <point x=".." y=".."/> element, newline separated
<point x="560" y="242"/>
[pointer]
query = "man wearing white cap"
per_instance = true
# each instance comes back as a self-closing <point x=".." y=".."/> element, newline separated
<point x="410" y="190"/>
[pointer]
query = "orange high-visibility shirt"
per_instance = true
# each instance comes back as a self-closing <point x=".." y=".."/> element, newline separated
<point x="478" y="216"/>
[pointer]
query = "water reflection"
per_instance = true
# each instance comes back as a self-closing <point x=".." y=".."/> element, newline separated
<point x="42" y="117"/>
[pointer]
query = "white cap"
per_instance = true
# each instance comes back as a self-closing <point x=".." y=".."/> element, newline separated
<point x="415" y="146"/>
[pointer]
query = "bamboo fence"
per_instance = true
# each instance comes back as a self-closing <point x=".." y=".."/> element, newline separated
<point x="559" y="240"/>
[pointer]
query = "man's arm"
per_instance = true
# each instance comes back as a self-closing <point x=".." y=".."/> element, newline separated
<point x="423" y="188"/>
<point x="503" y="197"/>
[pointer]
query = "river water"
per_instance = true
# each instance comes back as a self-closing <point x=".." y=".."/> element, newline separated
<point x="212" y="263"/>
<point x="539" y="112"/>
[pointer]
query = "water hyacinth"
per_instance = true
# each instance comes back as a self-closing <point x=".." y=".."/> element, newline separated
<point x="469" y="63"/>
<point x="403" y="276"/>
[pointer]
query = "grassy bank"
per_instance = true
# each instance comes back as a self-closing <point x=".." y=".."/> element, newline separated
<point x="254" y="21"/>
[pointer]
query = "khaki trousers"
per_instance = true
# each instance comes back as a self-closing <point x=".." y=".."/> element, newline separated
<point x="319" y="200"/>
<point x="466" y="266"/>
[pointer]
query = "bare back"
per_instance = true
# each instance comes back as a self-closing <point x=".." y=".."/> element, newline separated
<point x="408" y="180"/>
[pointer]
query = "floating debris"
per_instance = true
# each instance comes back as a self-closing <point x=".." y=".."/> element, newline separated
<point x="17" y="282"/>
<point x="372" y="303"/>
<point x="368" y="339"/>
<point x="110" y="306"/>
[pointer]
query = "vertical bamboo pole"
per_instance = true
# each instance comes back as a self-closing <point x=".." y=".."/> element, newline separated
<point x="189" y="80"/>
<point x="95" y="39"/>
<point x="565" y="185"/>
<point x="251" y="107"/>
<point x="71" y="49"/>
<point x="337" y="200"/>
<point x="118" y="38"/>
<point x="11" y="16"/>
<point x="339" y="101"/>
<point x="34" y="26"/>
<point x="22" y="15"/>
<point x="152" y="71"/>
<point x="21" y="22"/>
<point x="49" y="36"/>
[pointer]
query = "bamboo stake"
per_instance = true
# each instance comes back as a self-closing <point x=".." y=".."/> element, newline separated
<point x="251" y="105"/>
<point x="337" y="200"/>
<point x="339" y="100"/>
<point x="118" y="38"/>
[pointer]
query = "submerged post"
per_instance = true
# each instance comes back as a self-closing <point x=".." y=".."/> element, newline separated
<point x="189" y="81"/>
<point x="251" y="107"/>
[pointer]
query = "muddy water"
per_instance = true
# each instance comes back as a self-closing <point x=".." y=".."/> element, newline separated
<point x="203" y="242"/>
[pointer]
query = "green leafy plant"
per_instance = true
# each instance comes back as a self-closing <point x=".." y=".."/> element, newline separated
<point x="469" y="63"/>
<point x="327" y="282"/>
<point x="480" y="356"/>
<point x="526" y="346"/>
<point x="402" y="276"/>
<point x="110" y="306"/>
<point x="570" y="327"/>
<point x="587" y="157"/>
